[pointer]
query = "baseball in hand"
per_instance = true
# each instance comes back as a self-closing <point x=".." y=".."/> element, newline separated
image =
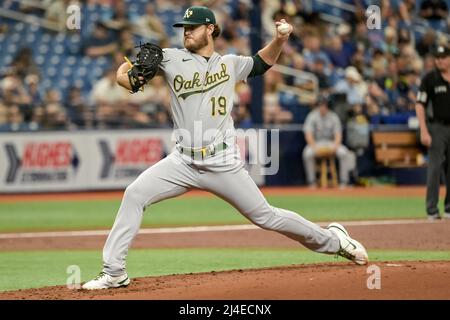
<point x="284" y="28"/>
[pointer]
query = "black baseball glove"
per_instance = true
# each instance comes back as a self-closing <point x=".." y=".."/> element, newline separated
<point x="146" y="65"/>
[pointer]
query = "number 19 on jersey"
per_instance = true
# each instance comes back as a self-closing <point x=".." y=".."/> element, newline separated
<point x="218" y="106"/>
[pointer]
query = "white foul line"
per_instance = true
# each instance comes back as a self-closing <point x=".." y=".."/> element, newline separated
<point x="90" y="233"/>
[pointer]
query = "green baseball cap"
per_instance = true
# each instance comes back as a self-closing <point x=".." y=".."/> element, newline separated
<point x="197" y="15"/>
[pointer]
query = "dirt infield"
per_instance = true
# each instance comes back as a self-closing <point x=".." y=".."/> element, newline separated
<point x="399" y="279"/>
<point x="321" y="281"/>
<point x="382" y="191"/>
<point x="417" y="236"/>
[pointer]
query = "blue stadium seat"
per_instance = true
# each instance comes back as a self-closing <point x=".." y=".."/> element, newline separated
<point x="12" y="48"/>
<point x="44" y="49"/>
<point x="7" y="59"/>
<point x="15" y="37"/>
<point x="19" y="26"/>
<point x="40" y="60"/>
<point x="55" y="60"/>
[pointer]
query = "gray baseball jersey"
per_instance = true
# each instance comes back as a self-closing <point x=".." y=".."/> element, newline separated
<point x="323" y="128"/>
<point x="202" y="95"/>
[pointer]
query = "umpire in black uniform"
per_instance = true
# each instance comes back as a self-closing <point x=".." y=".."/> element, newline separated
<point x="433" y="113"/>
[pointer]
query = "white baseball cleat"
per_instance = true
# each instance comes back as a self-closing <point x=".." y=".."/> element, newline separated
<point x="105" y="281"/>
<point x="350" y="248"/>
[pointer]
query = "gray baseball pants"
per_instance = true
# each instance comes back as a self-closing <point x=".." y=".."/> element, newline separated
<point x="174" y="176"/>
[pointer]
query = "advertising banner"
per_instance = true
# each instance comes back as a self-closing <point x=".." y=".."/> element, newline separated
<point x="85" y="160"/>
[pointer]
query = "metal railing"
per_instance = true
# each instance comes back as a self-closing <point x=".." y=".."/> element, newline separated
<point x="27" y="18"/>
<point x="305" y="96"/>
<point x="352" y="8"/>
<point x="31" y="3"/>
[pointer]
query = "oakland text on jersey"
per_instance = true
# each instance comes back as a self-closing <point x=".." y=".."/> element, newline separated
<point x="210" y="81"/>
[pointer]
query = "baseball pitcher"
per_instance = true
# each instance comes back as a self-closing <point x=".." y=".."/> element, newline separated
<point x="206" y="156"/>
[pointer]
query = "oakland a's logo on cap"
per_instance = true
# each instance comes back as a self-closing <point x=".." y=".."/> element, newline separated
<point x="196" y="15"/>
<point x="188" y="13"/>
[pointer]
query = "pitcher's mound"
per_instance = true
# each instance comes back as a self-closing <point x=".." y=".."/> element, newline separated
<point x="378" y="280"/>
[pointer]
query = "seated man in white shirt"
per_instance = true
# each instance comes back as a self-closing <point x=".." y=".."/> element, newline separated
<point x="323" y="131"/>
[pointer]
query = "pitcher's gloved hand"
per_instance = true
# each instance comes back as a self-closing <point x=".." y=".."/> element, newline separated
<point x="146" y="65"/>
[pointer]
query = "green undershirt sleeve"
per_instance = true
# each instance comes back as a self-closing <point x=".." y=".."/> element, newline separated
<point x="259" y="66"/>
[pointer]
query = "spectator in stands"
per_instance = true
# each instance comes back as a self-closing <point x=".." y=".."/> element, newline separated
<point x="242" y="117"/>
<point x="101" y="42"/>
<point x="23" y="63"/>
<point x="163" y="119"/>
<point x="237" y="43"/>
<point x="32" y="88"/>
<point x="323" y="131"/>
<point x="407" y="90"/>
<point x="272" y="111"/>
<point x="297" y="62"/>
<point x="428" y="63"/>
<point x="53" y="96"/>
<point x="77" y="109"/>
<point x="425" y="45"/>
<point x="54" y="117"/>
<point x="318" y="69"/>
<point x="378" y="66"/>
<point x="57" y="12"/>
<point x="106" y="90"/>
<point x="14" y="93"/>
<point x="344" y="31"/>
<point x="433" y="10"/>
<point x="361" y="37"/>
<point x="126" y="43"/>
<point x="106" y="115"/>
<point x="153" y="100"/>
<point x="312" y="50"/>
<point x="54" y="114"/>
<point x="130" y="116"/>
<point x="359" y="59"/>
<point x="338" y="55"/>
<point x="3" y="117"/>
<point x="376" y="102"/>
<point x="106" y="97"/>
<point x="241" y="112"/>
<point x="352" y="85"/>
<point x="150" y="25"/>
<point x="407" y="57"/>
<point x="406" y="10"/>
<point x="120" y="19"/>
<point x="15" y="120"/>
<point x="404" y="38"/>
<point x="390" y="40"/>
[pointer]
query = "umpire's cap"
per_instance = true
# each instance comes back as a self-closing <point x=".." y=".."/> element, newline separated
<point x="197" y="15"/>
<point x="441" y="52"/>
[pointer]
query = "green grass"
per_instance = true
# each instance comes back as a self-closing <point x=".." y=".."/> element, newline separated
<point x="20" y="270"/>
<point x="29" y="216"/>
